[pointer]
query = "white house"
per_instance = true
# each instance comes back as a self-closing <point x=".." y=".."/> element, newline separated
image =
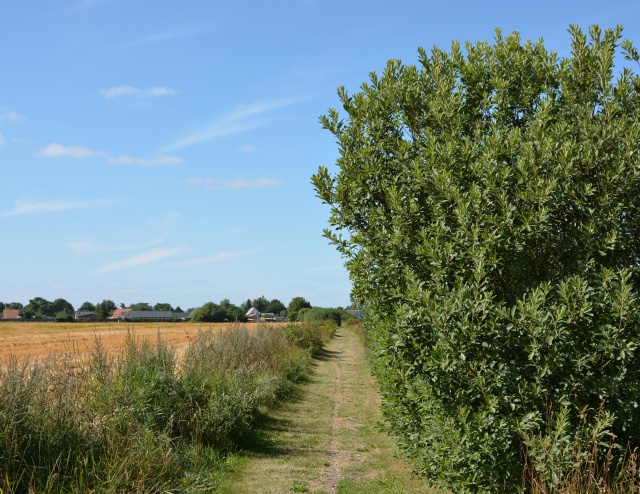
<point x="253" y="314"/>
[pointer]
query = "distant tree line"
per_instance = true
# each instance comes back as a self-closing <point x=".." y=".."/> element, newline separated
<point x="299" y="309"/>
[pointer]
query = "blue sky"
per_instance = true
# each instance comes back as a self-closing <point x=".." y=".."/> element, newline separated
<point x="161" y="151"/>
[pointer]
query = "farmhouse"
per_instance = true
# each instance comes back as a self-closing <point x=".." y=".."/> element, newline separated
<point x="11" y="314"/>
<point x="85" y="315"/>
<point x="120" y="313"/>
<point x="254" y="315"/>
<point x="355" y="313"/>
<point x="150" y="315"/>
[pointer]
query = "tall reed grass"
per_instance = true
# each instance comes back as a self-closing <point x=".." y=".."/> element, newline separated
<point x="142" y="420"/>
<point x="590" y="462"/>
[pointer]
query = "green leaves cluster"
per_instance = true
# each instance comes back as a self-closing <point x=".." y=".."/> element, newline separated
<point x="487" y="204"/>
<point x="39" y="307"/>
<point x="224" y="311"/>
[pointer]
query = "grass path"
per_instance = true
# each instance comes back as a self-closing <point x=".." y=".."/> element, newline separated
<point x="327" y="440"/>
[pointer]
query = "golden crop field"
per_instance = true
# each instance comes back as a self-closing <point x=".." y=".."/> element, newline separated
<point x="39" y="339"/>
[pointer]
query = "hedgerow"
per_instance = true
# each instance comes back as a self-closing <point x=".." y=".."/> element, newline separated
<point x="487" y="204"/>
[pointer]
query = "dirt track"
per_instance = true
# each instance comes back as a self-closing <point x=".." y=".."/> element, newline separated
<point x="33" y="340"/>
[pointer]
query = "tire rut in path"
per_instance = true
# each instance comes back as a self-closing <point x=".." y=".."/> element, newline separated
<point x="329" y="482"/>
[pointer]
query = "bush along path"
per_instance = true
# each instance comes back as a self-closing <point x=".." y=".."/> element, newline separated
<point x="327" y="440"/>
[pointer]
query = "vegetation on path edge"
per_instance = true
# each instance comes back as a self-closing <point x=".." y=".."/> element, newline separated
<point x="326" y="441"/>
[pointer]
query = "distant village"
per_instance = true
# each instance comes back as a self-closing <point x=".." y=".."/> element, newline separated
<point x="252" y="315"/>
<point x="256" y="310"/>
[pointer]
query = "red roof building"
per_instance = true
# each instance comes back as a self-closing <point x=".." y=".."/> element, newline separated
<point x="121" y="313"/>
<point x="10" y="314"/>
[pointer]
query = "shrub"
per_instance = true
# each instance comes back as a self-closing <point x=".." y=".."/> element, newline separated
<point x="310" y="335"/>
<point x="491" y="200"/>
<point x="321" y="314"/>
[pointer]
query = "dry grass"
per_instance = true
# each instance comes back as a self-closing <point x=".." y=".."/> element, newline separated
<point x="143" y="419"/>
<point x="39" y="339"/>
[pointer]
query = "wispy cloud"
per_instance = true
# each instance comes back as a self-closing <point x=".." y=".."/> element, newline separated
<point x="24" y="207"/>
<point x="1" y="140"/>
<point x="222" y="256"/>
<point x="146" y="258"/>
<point x="241" y="119"/>
<point x="55" y="150"/>
<point x="92" y="246"/>
<point x="134" y="92"/>
<point x="248" y="149"/>
<point x="235" y="183"/>
<point x="162" y="160"/>
<point x="167" y="35"/>
<point x="9" y="115"/>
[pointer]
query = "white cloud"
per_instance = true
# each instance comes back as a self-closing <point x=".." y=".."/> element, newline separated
<point x="130" y="91"/>
<point x="222" y="256"/>
<point x="241" y="119"/>
<point x="248" y="149"/>
<point x="146" y="258"/>
<point x="234" y="183"/>
<point x="8" y="115"/>
<point x="55" y="150"/>
<point x="161" y="160"/>
<point x="23" y="207"/>
<point x="1" y="140"/>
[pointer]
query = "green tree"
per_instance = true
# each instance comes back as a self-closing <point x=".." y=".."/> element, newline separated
<point x="39" y="307"/>
<point x="60" y="305"/>
<point x="209" y="312"/>
<point x="295" y="305"/>
<point x="160" y="306"/>
<point x="64" y="316"/>
<point x="491" y="197"/>
<point x="321" y="314"/>
<point x="87" y="306"/>
<point x="105" y="309"/>
<point x="276" y="307"/>
<point x="233" y="312"/>
<point x="27" y="312"/>
<point x="141" y="306"/>
<point x="260" y="303"/>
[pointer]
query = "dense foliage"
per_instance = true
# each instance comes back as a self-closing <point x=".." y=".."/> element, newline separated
<point x="322" y="314"/>
<point x="224" y="311"/>
<point x="297" y="304"/>
<point x="490" y="204"/>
